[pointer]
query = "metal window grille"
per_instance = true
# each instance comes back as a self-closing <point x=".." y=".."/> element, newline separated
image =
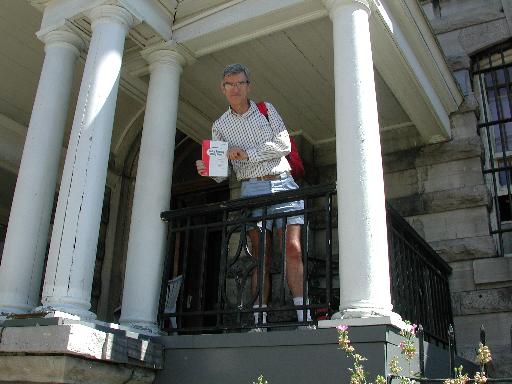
<point x="492" y="72"/>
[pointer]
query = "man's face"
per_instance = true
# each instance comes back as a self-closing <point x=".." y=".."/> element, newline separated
<point x="236" y="88"/>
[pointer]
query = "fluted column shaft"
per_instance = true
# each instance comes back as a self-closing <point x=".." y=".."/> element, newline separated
<point x="364" y="265"/>
<point x="146" y="245"/>
<point x="70" y="267"/>
<point x="29" y="221"/>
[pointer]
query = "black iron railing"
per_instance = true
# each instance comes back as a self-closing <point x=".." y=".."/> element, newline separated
<point x="420" y="290"/>
<point x="210" y="263"/>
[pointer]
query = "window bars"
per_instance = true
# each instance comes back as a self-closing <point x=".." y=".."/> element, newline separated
<point x="492" y="72"/>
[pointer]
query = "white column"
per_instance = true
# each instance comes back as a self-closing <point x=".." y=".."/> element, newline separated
<point x="29" y="221"/>
<point x="364" y="271"/>
<point x="146" y="244"/>
<point x="70" y="266"/>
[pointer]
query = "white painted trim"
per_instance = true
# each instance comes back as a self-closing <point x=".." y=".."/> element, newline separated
<point x="386" y="128"/>
<point x="152" y="13"/>
<point x="412" y="34"/>
<point x="262" y="32"/>
<point x="205" y="14"/>
<point x="394" y="320"/>
<point x="249" y="19"/>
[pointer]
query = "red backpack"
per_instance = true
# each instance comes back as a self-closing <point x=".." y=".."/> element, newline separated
<point x="293" y="157"/>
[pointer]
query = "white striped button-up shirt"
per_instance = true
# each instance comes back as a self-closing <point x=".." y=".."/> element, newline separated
<point x="266" y="142"/>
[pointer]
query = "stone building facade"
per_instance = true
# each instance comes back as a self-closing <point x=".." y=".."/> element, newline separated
<point x="443" y="193"/>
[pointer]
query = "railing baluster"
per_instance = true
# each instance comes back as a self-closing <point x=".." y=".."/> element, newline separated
<point x="283" y="262"/>
<point x="421" y="348"/>
<point x="223" y="265"/>
<point x="451" y="345"/>
<point x="202" y="271"/>
<point x="304" y="255"/>
<point x="262" y="248"/>
<point x="328" y="247"/>
<point x="184" y="263"/>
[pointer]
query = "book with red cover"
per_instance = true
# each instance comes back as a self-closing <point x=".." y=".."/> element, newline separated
<point x="215" y="157"/>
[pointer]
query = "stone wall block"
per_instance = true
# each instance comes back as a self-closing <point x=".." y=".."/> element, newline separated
<point x="465" y="249"/>
<point x="493" y="270"/>
<point x="450" y="175"/>
<point x="461" y="278"/>
<point x="482" y="301"/>
<point x="484" y="35"/>
<point x="69" y="370"/>
<point x="463" y="20"/>
<point x="441" y="201"/>
<point x="464" y="125"/>
<point x="401" y="184"/>
<point x="457" y="224"/>
<point x="456" y="149"/>
<point x="497" y="326"/>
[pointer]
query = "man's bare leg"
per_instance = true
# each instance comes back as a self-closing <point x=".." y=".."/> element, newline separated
<point x="294" y="266"/>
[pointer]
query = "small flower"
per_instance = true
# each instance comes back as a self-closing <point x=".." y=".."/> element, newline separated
<point x="480" y="378"/>
<point x="261" y="380"/>
<point x="394" y="367"/>
<point x="459" y="379"/>
<point x="380" y="380"/>
<point x="408" y="349"/>
<point x="342" y="327"/>
<point x="483" y="355"/>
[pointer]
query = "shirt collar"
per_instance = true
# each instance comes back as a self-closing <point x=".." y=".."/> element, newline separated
<point x="252" y="108"/>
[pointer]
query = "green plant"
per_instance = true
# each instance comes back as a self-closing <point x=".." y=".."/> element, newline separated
<point x="358" y="374"/>
<point x="408" y="350"/>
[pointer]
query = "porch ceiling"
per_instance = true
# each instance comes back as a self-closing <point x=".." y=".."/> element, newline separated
<point x="293" y="69"/>
<point x="289" y="51"/>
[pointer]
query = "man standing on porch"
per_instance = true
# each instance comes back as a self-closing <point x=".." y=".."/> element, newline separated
<point x="257" y="150"/>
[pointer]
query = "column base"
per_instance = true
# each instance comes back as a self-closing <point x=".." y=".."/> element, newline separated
<point x="66" y="312"/>
<point x="6" y="311"/>
<point x="363" y="318"/>
<point x="145" y="328"/>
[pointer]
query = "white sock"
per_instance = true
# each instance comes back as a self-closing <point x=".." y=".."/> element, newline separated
<point x="260" y="317"/>
<point x="300" y="312"/>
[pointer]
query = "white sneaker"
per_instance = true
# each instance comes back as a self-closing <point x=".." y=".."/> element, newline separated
<point x="257" y="330"/>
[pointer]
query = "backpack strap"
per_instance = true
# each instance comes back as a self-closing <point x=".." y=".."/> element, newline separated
<point x="262" y="106"/>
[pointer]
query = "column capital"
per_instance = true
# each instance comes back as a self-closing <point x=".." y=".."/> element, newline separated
<point x="112" y="14"/>
<point x="62" y="37"/>
<point x="333" y="5"/>
<point x="168" y="53"/>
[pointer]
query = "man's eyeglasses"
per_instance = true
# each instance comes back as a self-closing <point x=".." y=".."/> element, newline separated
<point x="238" y="84"/>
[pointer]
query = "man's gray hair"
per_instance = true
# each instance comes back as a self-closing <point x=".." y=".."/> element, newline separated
<point x="233" y="69"/>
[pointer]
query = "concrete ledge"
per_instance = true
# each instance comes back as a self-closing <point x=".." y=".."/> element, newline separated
<point x="68" y="338"/>
<point x="293" y="356"/>
<point x="69" y="370"/>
